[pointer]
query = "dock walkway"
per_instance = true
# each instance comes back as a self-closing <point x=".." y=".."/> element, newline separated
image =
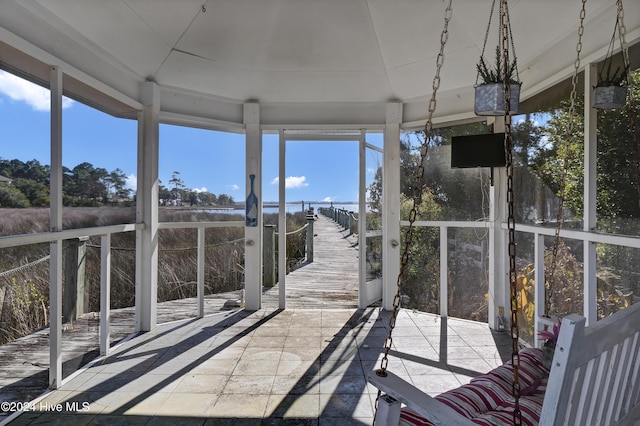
<point x="331" y="280"/>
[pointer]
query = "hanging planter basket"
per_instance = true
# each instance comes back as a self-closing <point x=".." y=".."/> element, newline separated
<point x="490" y="99"/>
<point x="492" y="77"/>
<point x="609" y="97"/>
<point x="611" y="90"/>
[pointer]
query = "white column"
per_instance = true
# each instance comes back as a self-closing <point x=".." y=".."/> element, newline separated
<point x="253" y="235"/>
<point x="498" y="283"/>
<point x="147" y="209"/>
<point x="391" y="204"/>
<point x="539" y="289"/>
<point x="55" y="224"/>
<point x="362" y="222"/>
<point x="444" y="276"/>
<point x="105" y="294"/>
<point x="200" y="276"/>
<point x="282" y="222"/>
<point x="590" y="157"/>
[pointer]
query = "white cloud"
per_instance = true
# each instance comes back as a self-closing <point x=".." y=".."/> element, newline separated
<point x="203" y="189"/>
<point x="292" y="182"/>
<point x="328" y="199"/>
<point x="22" y="90"/>
<point x="234" y="187"/>
<point x="131" y="182"/>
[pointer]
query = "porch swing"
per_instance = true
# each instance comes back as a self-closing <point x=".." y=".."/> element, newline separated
<point x="595" y="373"/>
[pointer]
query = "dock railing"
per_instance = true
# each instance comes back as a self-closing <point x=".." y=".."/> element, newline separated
<point x="345" y="218"/>
<point x="270" y="237"/>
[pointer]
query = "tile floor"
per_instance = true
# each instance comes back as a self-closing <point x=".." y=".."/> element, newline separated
<point x="280" y="367"/>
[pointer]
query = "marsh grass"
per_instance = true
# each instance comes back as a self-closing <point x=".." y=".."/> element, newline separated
<point x="24" y="285"/>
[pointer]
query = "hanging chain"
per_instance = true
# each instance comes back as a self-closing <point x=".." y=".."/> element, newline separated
<point x="417" y="192"/>
<point x="511" y="222"/>
<point x="486" y="36"/>
<point x="550" y="282"/>
<point x="632" y="105"/>
<point x="513" y="50"/>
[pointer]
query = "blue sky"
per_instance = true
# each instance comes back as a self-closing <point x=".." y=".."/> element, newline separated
<point x="206" y="160"/>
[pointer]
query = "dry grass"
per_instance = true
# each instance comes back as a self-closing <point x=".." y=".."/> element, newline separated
<point x="24" y="291"/>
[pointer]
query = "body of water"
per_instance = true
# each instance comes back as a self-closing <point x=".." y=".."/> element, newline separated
<point x="289" y="208"/>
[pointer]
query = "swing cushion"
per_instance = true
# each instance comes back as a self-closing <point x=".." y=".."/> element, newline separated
<point x="487" y="399"/>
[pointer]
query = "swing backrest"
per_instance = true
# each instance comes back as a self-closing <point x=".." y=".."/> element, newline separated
<point x="595" y="377"/>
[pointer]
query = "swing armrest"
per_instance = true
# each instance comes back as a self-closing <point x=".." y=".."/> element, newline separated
<point x="417" y="401"/>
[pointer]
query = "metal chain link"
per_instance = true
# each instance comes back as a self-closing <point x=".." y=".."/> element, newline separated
<point x="417" y="195"/>
<point x="511" y="222"/>
<point x="486" y="36"/>
<point x="632" y="105"/>
<point x="550" y="282"/>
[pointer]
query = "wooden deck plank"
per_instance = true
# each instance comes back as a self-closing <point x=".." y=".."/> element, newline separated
<point x="331" y="280"/>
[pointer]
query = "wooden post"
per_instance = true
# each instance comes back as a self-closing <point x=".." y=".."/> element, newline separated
<point x="73" y="291"/>
<point x="269" y="256"/>
<point x="310" y="220"/>
<point x="352" y="223"/>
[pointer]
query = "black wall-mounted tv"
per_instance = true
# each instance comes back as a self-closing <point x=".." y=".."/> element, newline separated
<point x="478" y="151"/>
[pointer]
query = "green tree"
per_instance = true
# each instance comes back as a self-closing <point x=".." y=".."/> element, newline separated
<point x="115" y="184"/>
<point x="529" y="143"/>
<point x="616" y="172"/>
<point x="10" y="196"/>
<point x="225" y="199"/>
<point x="84" y="185"/>
<point x="164" y="194"/>
<point x="37" y="193"/>
<point x="178" y="186"/>
<point x="451" y="188"/>
<point x="421" y="284"/>
<point x="208" y="198"/>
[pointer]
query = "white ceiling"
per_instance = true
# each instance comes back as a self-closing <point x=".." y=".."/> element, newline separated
<point x="304" y="61"/>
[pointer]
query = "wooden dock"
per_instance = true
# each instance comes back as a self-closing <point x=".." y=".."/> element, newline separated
<point x="331" y="280"/>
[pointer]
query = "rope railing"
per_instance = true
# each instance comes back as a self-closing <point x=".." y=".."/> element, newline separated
<point x="296" y="231"/>
<point x="25" y="266"/>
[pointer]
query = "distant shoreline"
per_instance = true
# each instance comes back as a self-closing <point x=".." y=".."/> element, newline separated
<point x="267" y="205"/>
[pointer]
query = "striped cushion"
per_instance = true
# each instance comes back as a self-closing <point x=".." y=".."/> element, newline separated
<point x="487" y="399"/>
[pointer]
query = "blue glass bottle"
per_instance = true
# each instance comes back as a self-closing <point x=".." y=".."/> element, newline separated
<point x="251" y="218"/>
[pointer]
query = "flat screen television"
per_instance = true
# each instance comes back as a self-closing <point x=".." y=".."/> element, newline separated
<point x="478" y="151"/>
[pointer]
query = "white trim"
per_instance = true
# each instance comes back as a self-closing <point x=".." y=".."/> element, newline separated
<point x="590" y="196"/>
<point x="200" y="273"/>
<point x="55" y="265"/>
<point x="105" y="294"/>
<point x="253" y="235"/>
<point x="147" y="210"/>
<point x="362" y="221"/>
<point x="391" y="205"/>
<point x="274" y="128"/>
<point x="191" y="225"/>
<point x="67" y="234"/>
<point x="282" y="221"/>
<point x="444" y="275"/>
<point x="47" y="58"/>
<point x="187" y="120"/>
